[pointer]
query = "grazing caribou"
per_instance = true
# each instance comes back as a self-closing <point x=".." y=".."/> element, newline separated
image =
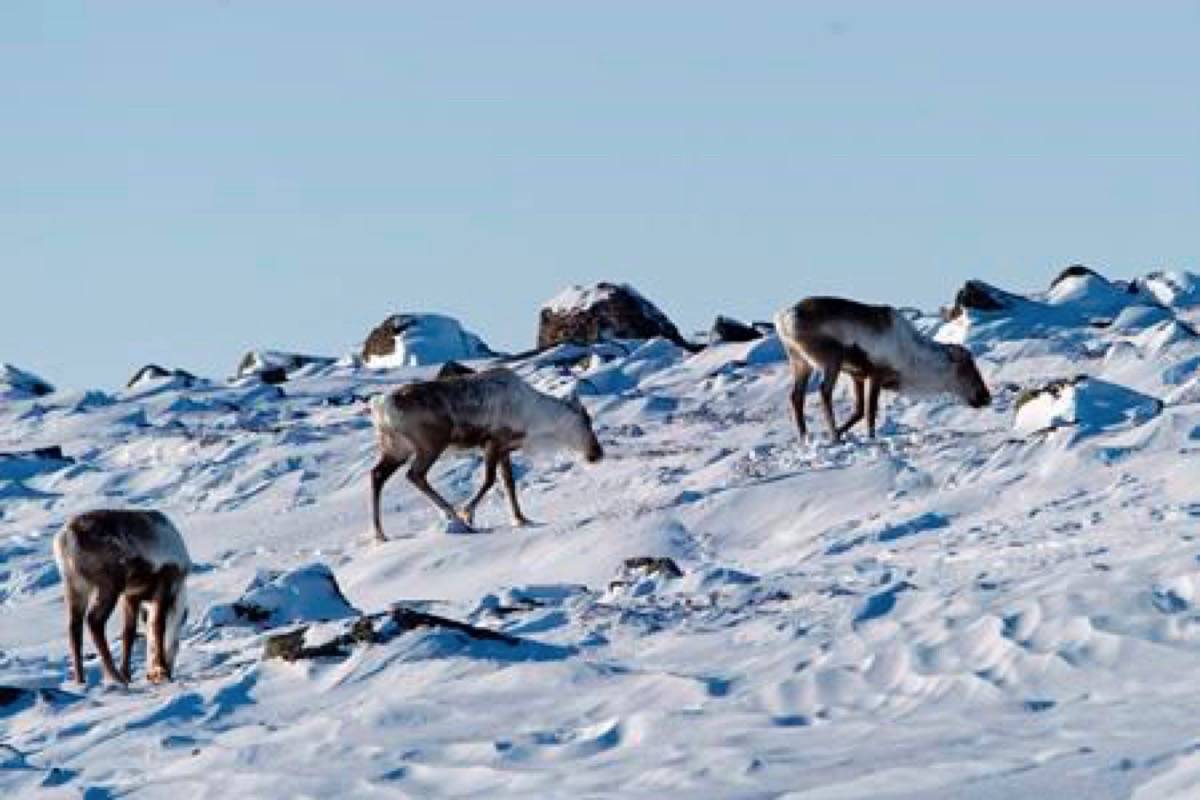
<point x="137" y="557"/>
<point x="494" y="411"/>
<point x="879" y="348"/>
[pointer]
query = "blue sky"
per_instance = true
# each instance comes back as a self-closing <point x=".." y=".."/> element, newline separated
<point x="180" y="182"/>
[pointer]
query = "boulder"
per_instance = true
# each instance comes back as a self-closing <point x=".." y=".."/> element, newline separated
<point x="275" y="366"/>
<point x="584" y="315"/>
<point x="652" y="565"/>
<point x="727" y="329"/>
<point x="413" y="340"/>
<point x="17" y="384"/>
<point x="153" y="373"/>
<point x="453" y="369"/>
<point x="976" y="295"/>
<point x="1088" y="404"/>
<point x="1077" y="271"/>
<point x="307" y="594"/>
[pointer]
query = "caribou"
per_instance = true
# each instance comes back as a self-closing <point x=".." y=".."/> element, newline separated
<point x="494" y="411"/>
<point x="879" y="349"/>
<point x="138" y="558"/>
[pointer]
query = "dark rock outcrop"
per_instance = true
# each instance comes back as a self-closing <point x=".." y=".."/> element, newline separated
<point x="585" y="315"/>
<point x="653" y="565"/>
<point x="292" y="645"/>
<point x="17" y="383"/>
<point x="1076" y="271"/>
<point x="152" y="372"/>
<point x="727" y="329"/>
<point x="979" y="296"/>
<point x="453" y="369"/>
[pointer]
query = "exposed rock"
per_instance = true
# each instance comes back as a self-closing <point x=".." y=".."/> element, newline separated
<point x="453" y="369"/>
<point x="1077" y="271"/>
<point x="153" y="372"/>
<point x="308" y="594"/>
<point x="292" y="646"/>
<point x="407" y="619"/>
<point x="727" y="329"/>
<point x="408" y="340"/>
<point x="274" y="366"/>
<point x="584" y="315"/>
<point x="20" y="465"/>
<point x="1087" y="403"/>
<point x="17" y="384"/>
<point x="979" y="296"/>
<point x="1173" y="289"/>
<point x="653" y="565"/>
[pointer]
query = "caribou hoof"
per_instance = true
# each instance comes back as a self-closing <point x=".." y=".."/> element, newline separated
<point x="457" y="525"/>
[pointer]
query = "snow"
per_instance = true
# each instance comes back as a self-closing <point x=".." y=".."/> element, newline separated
<point x="430" y="339"/>
<point x="955" y="609"/>
<point x="17" y="383"/>
<point x="581" y="298"/>
<point x="306" y="594"/>
<point x="257" y="362"/>
<point x="1086" y="403"/>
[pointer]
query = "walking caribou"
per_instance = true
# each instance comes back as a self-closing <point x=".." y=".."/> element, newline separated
<point x="879" y="349"/>
<point x="137" y="557"/>
<point x="494" y="411"/>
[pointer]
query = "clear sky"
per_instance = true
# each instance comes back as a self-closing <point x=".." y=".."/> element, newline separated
<point x="180" y="182"/>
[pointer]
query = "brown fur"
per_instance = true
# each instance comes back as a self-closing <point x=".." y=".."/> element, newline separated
<point x="99" y="556"/>
<point x="834" y="335"/>
<point x="453" y="412"/>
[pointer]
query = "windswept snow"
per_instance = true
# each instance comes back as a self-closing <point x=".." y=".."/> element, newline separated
<point x="965" y="607"/>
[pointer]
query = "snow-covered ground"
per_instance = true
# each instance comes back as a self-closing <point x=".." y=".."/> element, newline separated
<point x="977" y="604"/>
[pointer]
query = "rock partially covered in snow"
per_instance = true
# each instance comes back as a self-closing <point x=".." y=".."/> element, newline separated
<point x="308" y="594"/>
<point x="17" y="384"/>
<point x="275" y="366"/>
<point x="412" y="340"/>
<point x="979" y="296"/>
<point x="1174" y="289"/>
<point x="152" y="375"/>
<point x="587" y="314"/>
<point x="1088" y="292"/>
<point x="727" y="329"/>
<point x="1089" y="404"/>
<point x="22" y="465"/>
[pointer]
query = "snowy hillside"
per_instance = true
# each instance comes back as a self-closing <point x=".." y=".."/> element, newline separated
<point x="977" y="604"/>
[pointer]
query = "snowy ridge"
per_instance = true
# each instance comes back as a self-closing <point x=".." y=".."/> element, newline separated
<point x="968" y="606"/>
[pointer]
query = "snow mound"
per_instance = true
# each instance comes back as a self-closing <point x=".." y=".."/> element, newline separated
<point x="1089" y="292"/>
<point x="619" y="375"/>
<point x="1174" y="289"/>
<point x="412" y="340"/>
<point x="307" y="594"/>
<point x="277" y="366"/>
<point x="1185" y="394"/>
<point x="1090" y="404"/>
<point x="17" y="384"/>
